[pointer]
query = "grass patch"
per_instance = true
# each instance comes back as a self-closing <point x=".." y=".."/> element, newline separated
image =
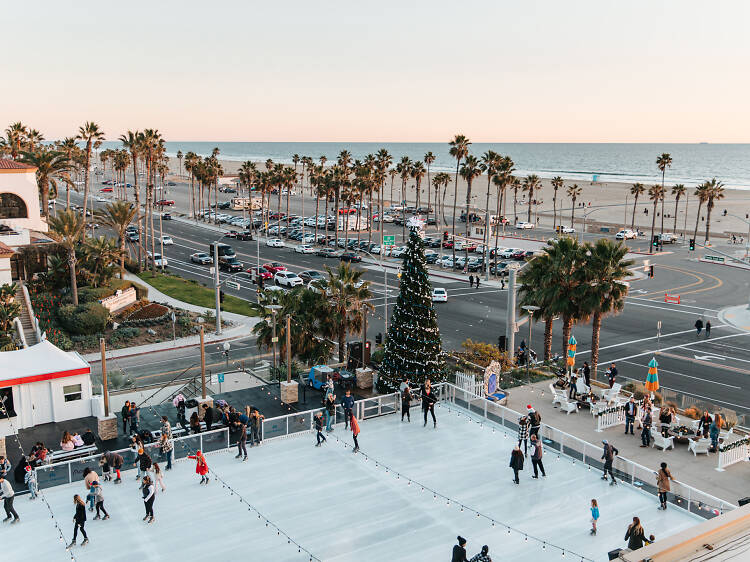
<point x="190" y="291"/>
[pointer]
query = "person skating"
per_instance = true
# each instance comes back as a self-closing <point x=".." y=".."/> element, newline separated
<point x="406" y="398"/>
<point x="347" y="403"/>
<point x="631" y="411"/>
<point x="149" y="495"/>
<point x="483" y="555"/>
<point x="635" y="535"/>
<point x="8" y="495"/>
<point x="608" y="455"/>
<point x="98" y="492"/>
<point x="143" y="462"/>
<point x="536" y="457"/>
<point x="319" y="429"/>
<point x="159" y="477"/>
<point x="523" y="434"/>
<point x="79" y="521"/>
<point x="89" y="477"/>
<point x="114" y="461"/>
<point x="535" y="420"/>
<point x="662" y="483"/>
<point x="646" y="429"/>
<point x="201" y="466"/>
<point x="330" y="406"/>
<point x="355" y="431"/>
<point x="428" y="402"/>
<point x="459" y="550"/>
<point x="242" y="438"/>
<point x="516" y="463"/>
<point x="29" y="478"/>
<point x="594" y="515"/>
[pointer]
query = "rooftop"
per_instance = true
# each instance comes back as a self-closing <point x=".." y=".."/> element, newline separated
<point x="8" y="164"/>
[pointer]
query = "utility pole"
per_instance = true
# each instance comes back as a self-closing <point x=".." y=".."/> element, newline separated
<point x="203" y="366"/>
<point x="105" y="392"/>
<point x="288" y="349"/>
<point x="511" y="314"/>
<point x="364" y="336"/>
<point x="217" y="288"/>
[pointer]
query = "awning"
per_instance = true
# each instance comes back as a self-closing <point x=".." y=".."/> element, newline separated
<point x="40" y="362"/>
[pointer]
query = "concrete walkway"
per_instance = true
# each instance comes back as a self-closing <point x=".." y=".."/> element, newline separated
<point x="239" y="327"/>
<point x="697" y="471"/>
<point x="737" y="316"/>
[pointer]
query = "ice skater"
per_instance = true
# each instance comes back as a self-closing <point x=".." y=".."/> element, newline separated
<point x="523" y="434"/>
<point x="516" y="462"/>
<point x="535" y="420"/>
<point x="330" y="406"/>
<point x="608" y="455"/>
<point x="8" y="495"/>
<point x="149" y="495"/>
<point x="159" y="477"/>
<point x="347" y="403"/>
<point x="459" y="550"/>
<point x="355" y="431"/>
<point x="428" y="402"/>
<point x="166" y="447"/>
<point x="406" y="399"/>
<point x="89" y="477"/>
<point x="242" y="439"/>
<point x="482" y="556"/>
<point x="594" y="515"/>
<point x="96" y="488"/>
<point x="536" y="457"/>
<point x="201" y="466"/>
<point x="29" y="478"/>
<point x="79" y="521"/>
<point x="662" y="483"/>
<point x="319" y="429"/>
<point x="143" y="462"/>
<point x="113" y="461"/>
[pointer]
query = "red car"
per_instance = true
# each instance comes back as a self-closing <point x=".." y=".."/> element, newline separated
<point x="165" y="202"/>
<point x="259" y="272"/>
<point x="106" y="190"/>
<point x="448" y="244"/>
<point x="349" y="211"/>
<point x="519" y="255"/>
<point x="277" y="216"/>
<point x="274" y="267"/>
<point x="471" y="247"/>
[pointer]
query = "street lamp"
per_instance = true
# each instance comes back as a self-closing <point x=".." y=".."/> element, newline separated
<point x="226" y="347"/>
<point x="530" y="309"/>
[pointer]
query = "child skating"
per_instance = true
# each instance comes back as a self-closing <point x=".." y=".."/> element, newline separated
<point x="355" y="431"/>
<point x="159" y="477"/>
<point x="29" y="478"/>
<point x="96" y="489"/>
<point x="594" y="515"/>
<point x="201" y="466"/>
<point x="79" y="521"/>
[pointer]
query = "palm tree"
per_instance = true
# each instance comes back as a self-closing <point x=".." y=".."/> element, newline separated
<point x="69" y="147"/>
<point x="663" y="162"/>
<point x="417" y="173"/>
<point x="701" y="192"/>
<point x="655" y="194"/>
<point x="573" y="192"/>
<point x="715" y="192"/>
<point x="16" y="135"/>
<point x="636" y="190"/>
<point x="515" y="183"/>
<point x="131" y="141"/>
<point x="531" y="184"/>
<point x="534" y="281"/>
<point x="429" y="158"/>
<point x="348" y="300"/>
<point x="440" y="179"/>
<point x="469" y="171"/>
<point x="603" y="289"/>
<point x="118" y="216"/>
<point x="93" y="137"/>
<point x="51" y="166"/>
<point x="557" y="183"/>
<point x="678" y="190"/>
<point x="120" y="164"/>
<point x="404" y="169"/>
<point x="99" y="253"/>
<point x="65" y="229"/>
<point x="384" y="161"/>
<point x="179" y="160"/>
<point x="489" y="165"/>
<point x="459" y="150"/>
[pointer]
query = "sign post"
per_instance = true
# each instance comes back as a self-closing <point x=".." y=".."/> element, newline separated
<point x="389" y="240"/>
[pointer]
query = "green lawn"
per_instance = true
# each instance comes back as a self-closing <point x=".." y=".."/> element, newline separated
<point x="193" y="292"/>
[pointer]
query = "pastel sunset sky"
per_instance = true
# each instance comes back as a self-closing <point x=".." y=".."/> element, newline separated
<point x="334" y="70"/>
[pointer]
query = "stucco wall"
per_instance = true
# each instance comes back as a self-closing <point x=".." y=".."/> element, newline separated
<point x="23" y="184"/>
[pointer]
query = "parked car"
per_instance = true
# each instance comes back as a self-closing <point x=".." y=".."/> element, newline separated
<point x="524" y="225"/>
<point x="519" y="255"/>
<point x="274" y="267"/>
<point x="311" y="275"/>
<point x="439" y="295"/>
<point x="275" y="243"/>
<point x="350" y="257"/>
<point x="625" y="234"/>
<point x="201" y="258"/>
<point x="431" y="257"/>
<point x="398" y="252"/>
<point x="500" y="269"/>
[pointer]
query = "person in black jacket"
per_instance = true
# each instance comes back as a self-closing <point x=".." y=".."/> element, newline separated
<point x="608" y="455"/>
<point x="704" y="423"/>
<point x="319" y="429"/>
<point x="516" y="462"/>
<point x="181" y="419"/>
<point x="114" y="461"/>
<point x="406" y="399"/>
<point x="428" y="401"/>
<point x="79" y="521"/>
<point x="125" y="416"/>
<point x="459" y="550"/>
<point x="646" y="429"/>
<point x="635" y="535"/>
<point x="208" y="416"/>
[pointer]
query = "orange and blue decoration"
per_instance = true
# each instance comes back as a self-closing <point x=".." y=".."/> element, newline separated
<point x="571" y="351"/>
<point x="652" y="380"/>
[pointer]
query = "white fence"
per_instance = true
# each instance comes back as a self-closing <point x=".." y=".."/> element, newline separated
<point x="737" y="454"/>
<point x="470" y="384"/>
<point x="610" y="417"/>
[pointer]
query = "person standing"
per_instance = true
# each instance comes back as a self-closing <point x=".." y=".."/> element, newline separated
<point x="698" y="327"/>
<point x="516" y="462"/>
<point x="715" y="431"/>
<point x="476" y="280"/>
<point x="708" y="328"/>
<point x="159" y="477"/>
<point x="256" y="423"/>
<point x="635" y="535"/>
<point x="471" y="281"/>
<point x="586" y="373"/>
<point x="319" y="429"/>
<point x="631" y="411"/>
<point x="355" y="431"/>
<point x="29" y="478"/>
<point x="149" y="495"/>
<point x="125" y="412"/>
<point x="135" y="413"/>
<point x="201" y="466"/>
<point x="330" y="406"/>
<point x="535" y="420"/>
<point x="612" y="375"/>
<point x="181" y="419"/>
<point x="166" y="447"/>
<point x="573" y="390"/>
<point x="143" y="462"/>
<point x="459" y="550"/>
<point x="79" y="521"/>
<point x="242" y="438"/>
<point x="704" y="424"/>
<point x="428" y="402"/>
<point x="208" y="416"/>
<point x="8" y="495"/>
<point x="608" y="455"/>
<point x="406" y="399"/>
<point x="347" y="403"/>
<point x="5" y="467"/>
<point x="646" y="429"/>
<point x="536" y="457"/>
<point x="594" y="515"/>
<point x="96" y="488"/>
<point x="523" y="434"/>
<point x="662" y="483"/>
<point x="483" y="555"/>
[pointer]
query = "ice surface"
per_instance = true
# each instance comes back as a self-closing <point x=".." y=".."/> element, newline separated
<point x="341" y="507"/>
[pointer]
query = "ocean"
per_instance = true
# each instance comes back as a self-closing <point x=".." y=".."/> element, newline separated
<point x="615" y="162"/>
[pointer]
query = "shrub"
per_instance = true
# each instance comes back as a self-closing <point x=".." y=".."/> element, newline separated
<point x="93" y="294"/>
<point x="84" y="319"/>
<point x="149" y="312"/>
<point x="86" y="342"/>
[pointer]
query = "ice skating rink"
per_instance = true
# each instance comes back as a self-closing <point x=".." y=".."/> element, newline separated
<point x="341" y="507"/>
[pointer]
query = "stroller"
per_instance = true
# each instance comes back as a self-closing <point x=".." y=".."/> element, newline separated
<point x="562" y="379"/>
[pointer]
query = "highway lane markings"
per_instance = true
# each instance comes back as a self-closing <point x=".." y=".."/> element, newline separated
<point x="670" y="309"/>
<point x="699" y="360"/>
<point x="646" y="339"/>
<point x="645" y="367"/>
<point x="680" y="346"/>
<point x="699" y="396"/>
<point x="703" y="308"/>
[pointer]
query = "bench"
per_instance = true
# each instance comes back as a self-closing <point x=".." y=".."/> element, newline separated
<point x="60" y="456"/>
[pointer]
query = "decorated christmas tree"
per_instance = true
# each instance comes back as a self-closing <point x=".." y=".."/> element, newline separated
<point x="412" y="347"/>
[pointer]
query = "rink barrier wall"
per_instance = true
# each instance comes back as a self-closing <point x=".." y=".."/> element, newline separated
<point x="554" y="440"/>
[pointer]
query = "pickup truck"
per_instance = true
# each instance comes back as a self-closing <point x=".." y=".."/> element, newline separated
<point x="667" y="238"/>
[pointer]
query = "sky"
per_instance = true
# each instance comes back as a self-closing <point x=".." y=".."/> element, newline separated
<point x="288" y="70"/>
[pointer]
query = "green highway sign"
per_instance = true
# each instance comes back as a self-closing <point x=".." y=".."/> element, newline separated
<point x="389" y="240"/>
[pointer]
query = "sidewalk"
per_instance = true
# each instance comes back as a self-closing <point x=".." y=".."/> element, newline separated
<point x="737" y="316"/>
<point x="697" y="471"/>
<point x="240" y="327"/>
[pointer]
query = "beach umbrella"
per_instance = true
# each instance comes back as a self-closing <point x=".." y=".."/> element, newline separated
<point x="652" y="379"/>
<point x="571" y="351"/>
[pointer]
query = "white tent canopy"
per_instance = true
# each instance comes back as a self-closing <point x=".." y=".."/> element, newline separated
<point x="39" y="362"/>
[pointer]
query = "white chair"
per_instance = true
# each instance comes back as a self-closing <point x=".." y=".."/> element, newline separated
<point x="658" y="440"/>
<point x="567" y="406"/>
<point x="582" y="387"/>
<point x="723" y="435"/>
<point x="611" y="394"/>
<point x="694" y="425"/>
<point x="699" y="446"/>
<point x="558" y="395"/>
<point x="598" y="407"/>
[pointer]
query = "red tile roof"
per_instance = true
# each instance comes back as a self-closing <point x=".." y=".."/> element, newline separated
<point x="5" y="251"/>
<point x="8" y="164"/>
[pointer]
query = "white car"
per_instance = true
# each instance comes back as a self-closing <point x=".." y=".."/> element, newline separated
<point x="566" y="229"/>
<point x="524" y="225"/>
<point x="398" y="252"/>
<point x="158" y="260"/>
<point x="275" y="243"/>
<point x="201" y="258"/>
<point x="167" y="240"/>
<point x="304" y="249"/>
<point x="287" y="279"/>
<point x="387" y="218"/>
<point x="625" y="234"/>
<point x="447" y="261"/>
<point x="100" y="200"/>
<point x="439" y="295"/>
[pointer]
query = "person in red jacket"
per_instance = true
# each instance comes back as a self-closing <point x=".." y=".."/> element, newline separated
<point x="201" y="466"/>
<point x="355" y="431"/>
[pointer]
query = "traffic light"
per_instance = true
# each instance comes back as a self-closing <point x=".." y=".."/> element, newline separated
<point x="445" y="235"/>
<point x="651" y="271"/>
<point x="379" y="338"/>
<point x="221" y="297"/>
<point x="692" y="244"/>
<point x="655" y="241"/>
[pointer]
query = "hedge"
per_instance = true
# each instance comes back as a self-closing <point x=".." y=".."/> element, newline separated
<point x="84" y="319"/>
<point x="94" y="294"/>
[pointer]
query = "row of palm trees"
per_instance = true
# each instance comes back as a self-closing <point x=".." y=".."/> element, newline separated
<point x="576" y="283"/>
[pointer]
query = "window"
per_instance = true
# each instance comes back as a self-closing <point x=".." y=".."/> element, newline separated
<point x="6" y="403"/>
<point x="72" y="392"/>
<point x="12" y="207"/>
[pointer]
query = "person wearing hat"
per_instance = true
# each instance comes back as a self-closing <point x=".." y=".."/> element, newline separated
<point x="29" y="478"/>
<point x="609" y="454"/>
<point x="459" y="550"/>
<point x="535" y="420"/>
<point x="201" y="466"/>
